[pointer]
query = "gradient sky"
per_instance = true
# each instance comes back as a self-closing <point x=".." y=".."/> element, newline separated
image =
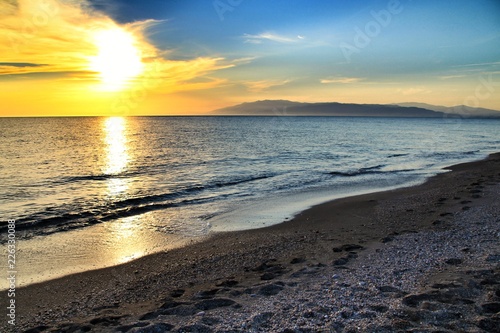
<point x="161" y="57"/>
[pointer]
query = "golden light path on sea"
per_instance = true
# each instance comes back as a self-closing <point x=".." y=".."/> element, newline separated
<point x="117" y="154"/>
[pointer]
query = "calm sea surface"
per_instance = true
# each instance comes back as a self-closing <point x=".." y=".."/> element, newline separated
<point x="154" y="181"/>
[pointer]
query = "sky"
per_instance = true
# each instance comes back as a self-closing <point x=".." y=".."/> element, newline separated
<point x="170" y="57"/>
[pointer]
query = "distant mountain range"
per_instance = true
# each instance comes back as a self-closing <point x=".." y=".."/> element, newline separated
<point x="402" y="110"/>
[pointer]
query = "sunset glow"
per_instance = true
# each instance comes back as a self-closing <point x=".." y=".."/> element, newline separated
<point x="118" y="61"/>
<point x="123" y="57"/>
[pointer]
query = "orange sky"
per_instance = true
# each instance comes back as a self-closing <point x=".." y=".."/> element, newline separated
<point x="66" y="58"/>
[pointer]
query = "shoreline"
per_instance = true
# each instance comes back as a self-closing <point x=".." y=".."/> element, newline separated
<point x="40" y="253"/>
<point x="327" y="236"/>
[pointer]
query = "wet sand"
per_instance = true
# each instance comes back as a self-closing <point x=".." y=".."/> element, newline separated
<point x="311" y="274"/>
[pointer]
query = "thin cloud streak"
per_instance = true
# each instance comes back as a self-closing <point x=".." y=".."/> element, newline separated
<point x="269" y="36"/>
<point x="258" y="86"/>
<point x="40" y="50"/>
<point x="343" y="80"/>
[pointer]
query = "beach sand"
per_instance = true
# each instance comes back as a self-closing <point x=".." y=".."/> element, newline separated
<point x="424" y="258"/>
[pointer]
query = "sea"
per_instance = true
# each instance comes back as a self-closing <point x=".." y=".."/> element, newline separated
<point x="93" y="192"/>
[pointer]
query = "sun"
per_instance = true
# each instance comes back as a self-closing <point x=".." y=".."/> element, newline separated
<point x="118" y="60"/>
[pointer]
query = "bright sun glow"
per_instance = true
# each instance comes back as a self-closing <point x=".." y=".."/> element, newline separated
<point x="118" y="60"/>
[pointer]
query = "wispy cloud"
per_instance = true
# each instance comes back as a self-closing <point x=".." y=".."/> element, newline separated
<point x="15" y="68"/>
<point x="257" y="86"/>
<point x="342" y="80"/>
<point x="449" y="77"/>
<point x="185" y="75"/>
<point x="243" y="61"/>
<point x="496" y="63"/>
<point x="414" y="91"/>
<point x="19" y="64"/>
<point x="48" y="37"/>
<point x="269" y="36"/>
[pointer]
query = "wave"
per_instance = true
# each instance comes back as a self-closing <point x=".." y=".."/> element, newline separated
<point x="359" y="172"/>
<point x="454" y="154"/>
<point x="74" y="179"/>
<point x="124" y="208"/>
<point x="397" y="155"/>
<point x="370" y="170"/>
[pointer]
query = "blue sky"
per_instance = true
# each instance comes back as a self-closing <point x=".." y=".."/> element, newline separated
<point x="372" y="51"/>
<point x="301" y="41"/>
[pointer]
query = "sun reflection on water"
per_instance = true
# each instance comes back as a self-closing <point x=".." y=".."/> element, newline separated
<point x="124" y="232"/>
<point x="116" y="153"/>
<point x="122" y="239"/>
<point x="116" y="140"/>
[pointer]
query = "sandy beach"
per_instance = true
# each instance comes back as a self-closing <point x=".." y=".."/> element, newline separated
<point x="421" y="259"/>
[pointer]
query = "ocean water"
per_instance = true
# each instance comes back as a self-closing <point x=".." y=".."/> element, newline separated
<point x="130" y="186"/>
